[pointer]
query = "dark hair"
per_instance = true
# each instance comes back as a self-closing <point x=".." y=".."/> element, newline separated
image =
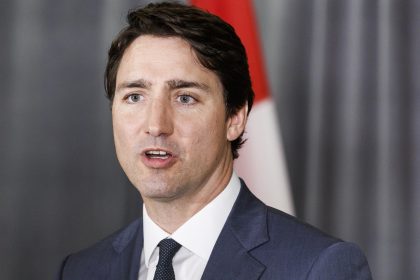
<point x="214" y="41"/>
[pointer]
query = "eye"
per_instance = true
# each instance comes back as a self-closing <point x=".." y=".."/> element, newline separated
<point x="133" y="98"/>
<point x="186" y="99"/>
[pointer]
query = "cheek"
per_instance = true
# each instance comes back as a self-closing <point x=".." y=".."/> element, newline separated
<point x="202" y="134"/>
<point x="119" y="141"/>
<point x="124" y="132"/>
<point x="125" y="124"/>
<point x="118" y="130"/>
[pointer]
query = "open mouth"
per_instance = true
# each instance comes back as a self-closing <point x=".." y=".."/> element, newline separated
<point x="157" y="154"/>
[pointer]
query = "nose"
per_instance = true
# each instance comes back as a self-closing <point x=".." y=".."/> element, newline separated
<point x="159" y="120"/>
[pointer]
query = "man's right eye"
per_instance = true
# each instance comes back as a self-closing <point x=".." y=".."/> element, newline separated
<point x="133" y="98"/>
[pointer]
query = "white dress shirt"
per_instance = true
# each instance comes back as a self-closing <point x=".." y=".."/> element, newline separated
<point x="197" y="236"/>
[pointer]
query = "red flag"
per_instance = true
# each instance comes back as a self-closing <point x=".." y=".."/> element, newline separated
<point x="261" y="162"/>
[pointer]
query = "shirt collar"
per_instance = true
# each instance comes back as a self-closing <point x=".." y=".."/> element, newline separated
<point x="206" y="225"/>
<point x="152" y="235"/>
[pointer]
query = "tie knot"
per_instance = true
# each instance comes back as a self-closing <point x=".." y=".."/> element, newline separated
<point x="167" y="249"/>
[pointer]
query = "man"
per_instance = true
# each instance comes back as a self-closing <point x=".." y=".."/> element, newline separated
<point x="180" y="90"/>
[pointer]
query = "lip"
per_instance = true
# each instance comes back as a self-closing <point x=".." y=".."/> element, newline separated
<point x="158" y="163"/>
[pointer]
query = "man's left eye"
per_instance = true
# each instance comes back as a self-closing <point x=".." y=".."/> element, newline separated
<point x="186" y="99"/>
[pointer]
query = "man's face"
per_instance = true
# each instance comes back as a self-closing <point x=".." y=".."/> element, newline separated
<point x="171" y="131"/>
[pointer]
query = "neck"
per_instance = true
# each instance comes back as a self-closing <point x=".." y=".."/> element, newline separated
<point x="170" y="215"/>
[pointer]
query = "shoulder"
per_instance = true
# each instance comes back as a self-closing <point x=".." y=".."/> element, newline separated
<point x="278" y="228"/>
<point x="96" y="259"/>
<point x="108" y="245"/>
<point x="306" y="250"/>
<point x="296" y="234"/>
<point x="292" y="249"/>
<point x="341" y="260"/>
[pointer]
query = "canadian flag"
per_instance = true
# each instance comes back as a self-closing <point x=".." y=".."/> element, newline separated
<point x="261" y="162"/>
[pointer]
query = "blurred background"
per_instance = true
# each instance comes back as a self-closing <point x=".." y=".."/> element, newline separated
<point x="345" y="78"/>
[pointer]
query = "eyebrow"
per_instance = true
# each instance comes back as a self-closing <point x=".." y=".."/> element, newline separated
<point x="172" y="84"/>
<point x="140" y="83"/>
<point x="177" y="84"/>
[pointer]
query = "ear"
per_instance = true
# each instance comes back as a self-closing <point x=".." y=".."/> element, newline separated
<point x="236" y="123"/>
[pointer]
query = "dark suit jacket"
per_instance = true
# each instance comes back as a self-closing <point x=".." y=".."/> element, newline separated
<point x="257" y="242"/>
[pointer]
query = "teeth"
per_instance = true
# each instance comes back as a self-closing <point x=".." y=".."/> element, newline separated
<point x="157" y="154"/>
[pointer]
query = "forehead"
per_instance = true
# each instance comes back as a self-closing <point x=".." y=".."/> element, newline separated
<point x="155" y="44"/>
<point x="161" y="55"/>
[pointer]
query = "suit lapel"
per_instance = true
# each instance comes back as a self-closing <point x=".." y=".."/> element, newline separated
<point x="245" y="229"/>
<point x="231" y="258"/>
<point x="128" y="247"/>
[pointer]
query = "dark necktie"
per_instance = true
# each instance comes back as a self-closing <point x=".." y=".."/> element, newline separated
<point x="167" y="250"/>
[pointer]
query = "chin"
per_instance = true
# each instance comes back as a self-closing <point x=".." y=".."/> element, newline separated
<point x="160" y="196"/>
<point x="157" y="190"/>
